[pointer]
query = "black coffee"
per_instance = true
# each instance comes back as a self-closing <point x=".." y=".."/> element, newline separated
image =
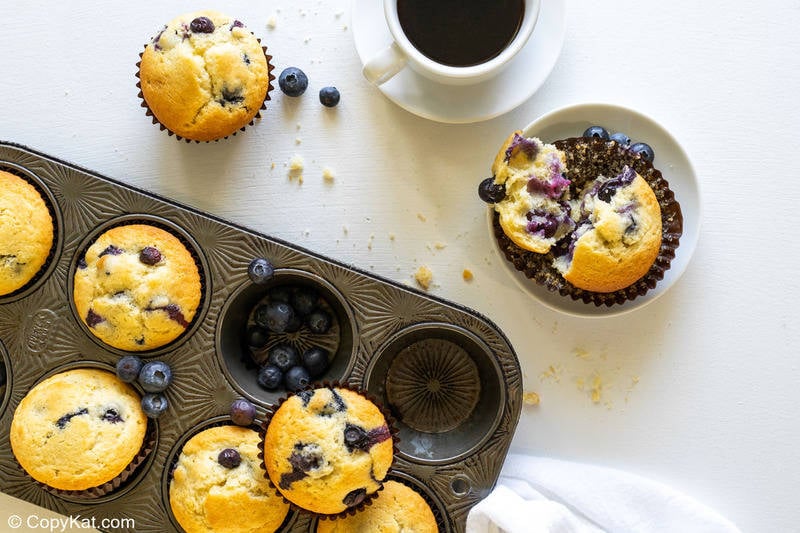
<point x="460" y="33"/>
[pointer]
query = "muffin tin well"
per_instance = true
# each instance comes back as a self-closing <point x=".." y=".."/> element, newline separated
<point x="419" y="355"/>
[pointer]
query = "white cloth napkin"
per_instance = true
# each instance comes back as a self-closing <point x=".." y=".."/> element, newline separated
<point x="540" y="495"/>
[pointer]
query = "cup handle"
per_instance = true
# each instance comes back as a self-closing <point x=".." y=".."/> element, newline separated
<point x="383" y="66"/>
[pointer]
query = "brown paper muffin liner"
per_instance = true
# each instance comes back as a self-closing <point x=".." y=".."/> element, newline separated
<point x="390" y="422"/>
<point x="121" y="480"/>
<point x="51" y="208"/>
<point x="588" y="158"/>
<point x="149" y="112"/>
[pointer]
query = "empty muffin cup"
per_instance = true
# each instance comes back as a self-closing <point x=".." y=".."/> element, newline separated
<point x="443" y="386"/>
<point x="245" y="342"/>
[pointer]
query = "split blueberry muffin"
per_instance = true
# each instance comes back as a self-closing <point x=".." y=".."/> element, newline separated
<point x="137" y="287"/>
<point x="327" y="450"/>
<point x="26" y="232"/>
<point x="79" y="429"/>
<point x="586" y="217"/>
<point x="218" y="485"/>
<point x="396" y="508"/>
<point x="204" y="76"/>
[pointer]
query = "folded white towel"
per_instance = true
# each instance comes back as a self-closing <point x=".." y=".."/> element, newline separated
<point x="535" y="494"/>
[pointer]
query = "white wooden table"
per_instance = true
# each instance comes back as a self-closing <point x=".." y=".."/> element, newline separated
<point x="700" y="387"/>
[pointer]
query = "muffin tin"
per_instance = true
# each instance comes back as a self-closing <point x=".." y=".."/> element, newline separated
<point x="439" y="354"/>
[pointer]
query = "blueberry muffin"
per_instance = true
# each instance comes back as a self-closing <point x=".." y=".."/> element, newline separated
<point x="204" y="76"/>
<point x="327" y="450"/>
<point x="588" y="218"/>
<point x="78" y="429"/>
<point x="396" y="508"/>
<point x="26" y="232"/>
<point x="618" y="234"/>
<point x="137" y="288"/>
<point x="218" y="485"/>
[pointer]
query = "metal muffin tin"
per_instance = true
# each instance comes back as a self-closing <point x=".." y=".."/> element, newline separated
<point x="380" y="322"/>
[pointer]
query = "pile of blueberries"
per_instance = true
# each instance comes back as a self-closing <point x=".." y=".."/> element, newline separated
<point x="643" y="150"/>
<point x="294" y="82"/>
<point x="154" y="377"/>
<point x="287" y="310"/>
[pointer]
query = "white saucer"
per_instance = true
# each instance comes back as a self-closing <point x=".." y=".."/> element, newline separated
<point x="670" y="159"/>
<point x="464" y="104"/>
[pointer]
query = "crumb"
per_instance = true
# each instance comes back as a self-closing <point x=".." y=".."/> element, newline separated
<point x="307" y="39"/>
<point x="552" y="373"/>
<point x="345" y="230"/>
<point x="297" y="140"/>
<point x="597" y="388"/>
<point x="369" y="242"/>
<point x="391" y="237"/>
<point x="530" y="398"/>
<point x="440" y="245"/>
<point x="423" y="275"/>
<point x="421" y="217"/>
<point x="327" y="175"/>
<point x="298" y="126"/>
<point x="296" y="163"/>
<point x="338" y="14"/>
<point x="467" y="275"/>
<point x="272" y="21"/>
<point x="272" y="166"/>
<point x="344" y="28"/>
<point x="300" y="179"/>
<point x="582" y="354"/>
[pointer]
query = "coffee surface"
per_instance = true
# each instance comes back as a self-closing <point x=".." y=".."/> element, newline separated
<point x="460" y="33"/>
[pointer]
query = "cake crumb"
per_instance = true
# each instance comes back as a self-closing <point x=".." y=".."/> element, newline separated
<point x="327" y="175"/>
<point x="530" y="398"/>
<point x="422" y="217"/>
<point x="597" y="388"/>
<point x="552" y="373"/>
<point x="297" y="140"/>
<point x="391" y="237"/>
<point x="440" y="245"/>
<point x="345" y="230"/>
<point x="296" y="163"/>
<point x="272" y="22"/>
<point x="423" y="276"/>
<point x="582" y="353"/>
<point x="467" y="275"/>
<point x="369" y="242"/>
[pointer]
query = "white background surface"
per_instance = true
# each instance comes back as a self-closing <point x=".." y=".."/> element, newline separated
<point x="714" y="412"/>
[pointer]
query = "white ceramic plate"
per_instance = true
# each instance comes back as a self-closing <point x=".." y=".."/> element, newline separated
<point x="465" y="104"/>
<point x="670" y="159"/>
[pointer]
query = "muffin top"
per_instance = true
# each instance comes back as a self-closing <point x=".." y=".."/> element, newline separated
<point x="218" y="485"/>
<point x="137" y="288"/>
<point x="398" y="508"/>
<point x="327" y="449"/>
<point x="26" y="232"/>
<point x="618" y="234"/>
<point x="532" y="213"/>
<point x="78" y="429"/>
<point x="204" y="76"/>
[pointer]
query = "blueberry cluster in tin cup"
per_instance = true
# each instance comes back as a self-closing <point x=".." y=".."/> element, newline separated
<point x="291" y="333"/>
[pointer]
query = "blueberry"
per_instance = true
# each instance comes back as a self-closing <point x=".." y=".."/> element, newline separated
<point x="293" y="81"/>
<point x="354" y="497"/>
<point x="243" y="413"/>
<point x="284" y="356"/>
<point x="491" y="192"/>
<point x="154" y="404"/>
<point x="110" y="250"/>
<point x="155" y="376"/>
<point x="598" y="132"/>
<point x="128" y="368"/>
<point x="319" y="321"/>
<point x="621" y="139"/>
<point x="202" y="25"/>
<point x="149" y="255"/>
<point x="275" y="316"/>
<point x="281" y="293"/>
<point x="329" y="96"/>
<point x="315" y="360"/>
<point x="93" y="319"/>
<point x="270" y="377"/>
<point x="355" y="437"/>
<point x="304" y="300"/>
<point x="260" y="271"/>
<point x="297" y="378"/>
<point x="257" y="336"/>
<point x="229" y="458"/>
<point x="111" y="416"/>
<point x="644" y="151"/>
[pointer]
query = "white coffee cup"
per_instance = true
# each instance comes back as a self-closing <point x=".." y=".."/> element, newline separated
<point x="401" y="53"/>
